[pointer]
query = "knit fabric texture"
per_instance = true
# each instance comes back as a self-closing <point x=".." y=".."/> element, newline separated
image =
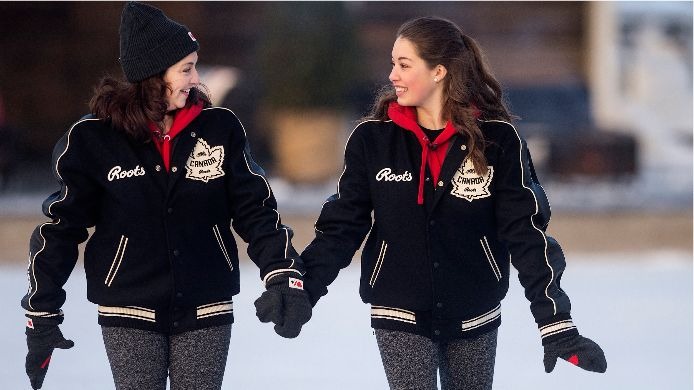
<point x="150" y="42"/>
<point x="142" y="359"/>
<point x="411" y="361"/>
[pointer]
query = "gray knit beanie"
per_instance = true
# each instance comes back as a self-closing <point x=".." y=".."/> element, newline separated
<point x="150" y="42"/>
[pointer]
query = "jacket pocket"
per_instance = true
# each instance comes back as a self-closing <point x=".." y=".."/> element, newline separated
<point x="220" y="241"/>
<point x="379" y="263"/>
<point x="117" y="260"/>
<point x="490" y="257"/>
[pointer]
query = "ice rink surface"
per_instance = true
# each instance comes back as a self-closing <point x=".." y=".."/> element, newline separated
<point x="638" y="307"/>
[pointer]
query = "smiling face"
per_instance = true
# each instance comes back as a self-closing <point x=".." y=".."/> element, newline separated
<point x="181" y="77"/>
<point x="413" y="79"/>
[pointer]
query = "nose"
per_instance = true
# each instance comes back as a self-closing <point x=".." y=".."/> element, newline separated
<point x="393" y="76"/>
<point x="196" y="77"/>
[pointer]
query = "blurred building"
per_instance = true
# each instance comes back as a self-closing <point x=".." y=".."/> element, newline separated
<point x="602" y="88"/>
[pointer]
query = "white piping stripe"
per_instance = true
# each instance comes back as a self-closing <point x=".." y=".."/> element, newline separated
<point x="43" y="313"/>
<point x="392" y="308"/>
<point x="129" y="312"/>
<point x="267" y="185"/>
<point x="218" y="236"/>
<point x="490" y="258"/>
<point x="215" y="304"/>
<point x="214" y="310"/>
<point x="119" y="259"/>
<point x="276" y="272"/>
<point x="344" y="169"/>
<point x="556" y="327"/>
<point x="379" y="262"/>
<point x="393" y="314"/>
<point x="57" y="172"/>
<point x="484" y="319"/>
<point x="537" y="209"/>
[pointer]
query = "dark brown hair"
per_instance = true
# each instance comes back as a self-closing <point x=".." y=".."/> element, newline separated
<point x="469" y="89"/>
<point x="131" y="107"/>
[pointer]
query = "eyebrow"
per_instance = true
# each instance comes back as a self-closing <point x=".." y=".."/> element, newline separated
<point x="404" y="58"/>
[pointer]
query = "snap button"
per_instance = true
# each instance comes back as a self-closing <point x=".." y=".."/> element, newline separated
<point x="463" y="147"/>
<point x="157" y="168"/>
<point x="192" y="134"/>
<point x="174" y="169"/>
<point x="436" y="332"/>
<point x="440" y="183"/>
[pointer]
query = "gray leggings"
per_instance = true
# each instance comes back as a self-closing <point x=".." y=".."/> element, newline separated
<point x="411" y="361"/>
<point x="192" y="360"/>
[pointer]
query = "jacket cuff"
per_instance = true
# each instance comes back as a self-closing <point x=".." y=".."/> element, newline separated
<point x="43" y="318"/>
<point x="291" y="266"/>
<point x="556" y="327"/>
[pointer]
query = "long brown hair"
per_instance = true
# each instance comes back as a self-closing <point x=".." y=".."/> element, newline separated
<point x="469" y="89"/>
<point x="131" y="107"/>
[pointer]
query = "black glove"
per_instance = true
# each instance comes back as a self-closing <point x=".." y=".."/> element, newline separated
<point x="41" y="341"/>
<point x="577" y="350"/>
<point x="285" y="303"/>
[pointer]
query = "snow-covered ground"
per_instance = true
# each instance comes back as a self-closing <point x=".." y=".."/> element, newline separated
<point x="637" y="306"/>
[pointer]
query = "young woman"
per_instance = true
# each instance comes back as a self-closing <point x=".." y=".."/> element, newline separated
<point x="455" y="200"/>
<point x="160" y="176"/>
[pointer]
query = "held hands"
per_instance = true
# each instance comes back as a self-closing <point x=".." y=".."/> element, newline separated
<point x="285" y="303"/>
<point x="577" y="350"/>
<point x="41" y="341"/>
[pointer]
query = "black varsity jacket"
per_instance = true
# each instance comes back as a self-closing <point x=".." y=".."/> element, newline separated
<point x="162" y="256"/>
<point x="440" y="269"/>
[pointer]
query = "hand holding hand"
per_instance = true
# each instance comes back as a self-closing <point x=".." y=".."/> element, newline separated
<point x="285" y="303"/>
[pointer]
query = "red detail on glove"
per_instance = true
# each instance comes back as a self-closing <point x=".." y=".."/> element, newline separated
<point x="45" y="362"/>
<point x="573" y="360"/>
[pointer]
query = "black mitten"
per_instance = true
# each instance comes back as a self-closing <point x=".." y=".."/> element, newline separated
<point x="285" y="303"/>
<point x="41" y="341"/>
<point x="577" y="350"/>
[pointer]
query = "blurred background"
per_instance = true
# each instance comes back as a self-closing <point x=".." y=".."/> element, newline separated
<point x="603" y="92"/>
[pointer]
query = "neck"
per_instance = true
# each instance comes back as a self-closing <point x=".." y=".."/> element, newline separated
<point x="430" y="119"/>
<point x="167" y="122"/>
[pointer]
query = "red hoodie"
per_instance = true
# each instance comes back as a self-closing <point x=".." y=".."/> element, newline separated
<point x="182" y="118"/>
<point x="433" y="153"/>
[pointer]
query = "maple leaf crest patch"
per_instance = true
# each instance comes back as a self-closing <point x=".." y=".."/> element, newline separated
<point x="205" y="162"/>
<point x="467" y="184"/>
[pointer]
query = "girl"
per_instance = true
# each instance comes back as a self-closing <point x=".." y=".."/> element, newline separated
<point x="455" y="200"/>
<point x="160" y="175"/>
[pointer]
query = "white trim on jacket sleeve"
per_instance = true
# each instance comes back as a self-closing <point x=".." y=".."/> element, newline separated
<point x="267" y="185"/>
<point x="32" y="259"/>
<point x="537" y="209"/>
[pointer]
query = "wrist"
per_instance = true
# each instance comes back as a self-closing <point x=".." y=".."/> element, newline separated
<point x="556" y="328"/>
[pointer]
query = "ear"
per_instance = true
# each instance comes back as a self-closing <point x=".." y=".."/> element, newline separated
<point x="440" y="72"/>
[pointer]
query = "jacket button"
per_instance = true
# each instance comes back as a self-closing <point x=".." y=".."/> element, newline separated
<point x="440" y="183"/>
<point x="157" y="168"/>
<point x="169" y="210"/>
<point x="427" y="179"/>
<point x="463" y="147"/>
<point x="436" y="264"/>
<point x="436" y="332"/>
<point x="439" y="305"/>
<point x="175" y="324"/>
<point x="174" y="169"/>
<point x="192" y="134"/>
<point x="432" y="222"/>
<point x="179" y="295"/>
<point x="176" y="252"/>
